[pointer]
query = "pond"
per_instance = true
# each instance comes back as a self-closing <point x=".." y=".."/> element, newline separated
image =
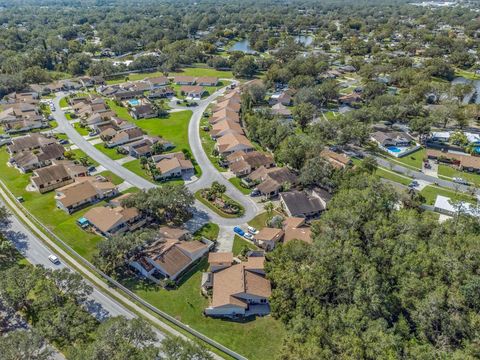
<point x="243" y="46"/>
<point x="305" y="40"/>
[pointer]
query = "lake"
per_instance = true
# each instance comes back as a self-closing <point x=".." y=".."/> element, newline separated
<point x="305" y="40"/>
<point x="243" y="46"/>
<point x="476" y="93"/>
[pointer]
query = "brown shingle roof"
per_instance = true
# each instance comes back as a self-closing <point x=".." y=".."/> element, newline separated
<point x="220" y="257"/>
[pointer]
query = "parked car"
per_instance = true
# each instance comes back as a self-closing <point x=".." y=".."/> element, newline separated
<point x="413" y="184"/>
<point x="427" y="165"/>
<point x="63" y="142"/>
<point x="91" y="168"/>
<point x="460" y="181"/>
<point x="92" y="133"/>
<point x="55" y="260"/>
<point x="255" y="192"/>
<point x="248" y="236"/>
<point x="20" y="199"/>
<point x="252" y="230"/>
<point x="238" y="231"/>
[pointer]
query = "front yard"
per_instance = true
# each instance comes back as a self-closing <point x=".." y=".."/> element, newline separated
<point x="448" y="172"/>
<point x="110" y="152"/>
<point x="430" y="194"/>
<point x="237" y="182"/>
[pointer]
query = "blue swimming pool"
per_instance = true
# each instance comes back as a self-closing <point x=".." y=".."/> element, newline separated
<point x="394" y="149"/>
<point x="134" y="102"/>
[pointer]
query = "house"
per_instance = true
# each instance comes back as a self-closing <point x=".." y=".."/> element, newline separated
<point x="172" y="165"/>
<point x="229" y="143"/>
<point x="231" y="104"/>
<point x="463" y="162"/>
<point x="29" y="142"/>
<point x="174" y="233"/>
<point x="109" y="221"/>
<point x="337" y="160"/>
<point x="220" y="260"/>
<point x="125" y="136"/>
<point x="25" y="125"/>
<point x="267" y="238"/>
<point x="241" y="163"/>
<point x="295" y="229"/>
<point x="392" y="138"/>
<point x="192" y="92"/>
<point x="281" y="110"/>
<point x="145" y="111"/>
<point x="240" y="290"/>
<point x="128" y="94"/>
<point x="59" y="174"/>
<point x="350" y="99"/>
<point x="38" y="158"/>
<point x="157" y="82"/>
<point x="284" y="98"/>
<point x="207" y="81"/>
<point x="299" y="204"/>
<point x="143" y="147"/>
<point x="184" y="80"/>
<point x="161" y="93"/>
<point x="224" y="127"/>
<point x="84" y="191"/>
<point x="447" y="206"/>
<point x="271" y="180"/>
<point x="224" y="114"/>
<point x="169" y="258"/>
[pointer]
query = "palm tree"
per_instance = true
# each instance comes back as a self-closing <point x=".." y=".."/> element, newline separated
<point x="269" y="208"/>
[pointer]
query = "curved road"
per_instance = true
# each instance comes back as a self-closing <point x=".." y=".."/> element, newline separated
<point x="209" y="172"/>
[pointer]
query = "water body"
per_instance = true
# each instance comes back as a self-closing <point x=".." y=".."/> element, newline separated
<point x="474" y="95"/>
<point x="305" y="40"/>
<point x="243" y="46"/>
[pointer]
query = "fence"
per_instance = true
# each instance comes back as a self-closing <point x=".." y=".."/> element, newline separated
<point x="132" y="295"/>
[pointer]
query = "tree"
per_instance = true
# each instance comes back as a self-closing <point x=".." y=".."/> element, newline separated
<point x="303" y="114"/>
<point x="157" y="148"/>
<point x="368" y="165"/>
<point x="459" y="138"/>
<point x="164" y="203"/>
<point x="23" y="344"/>
<point x="318" y="172"/>
<point x="245" y="67"/>
<point x="175" y="348"/>
<point x="269" y="207"/>
<point x="120" y="339"/>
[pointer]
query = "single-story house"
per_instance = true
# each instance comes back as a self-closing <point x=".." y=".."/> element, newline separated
<point x="338" y="160"/>
<point x="161" y="93"/>
<point x="184" y="80"/>
<point x="230" y="143"/>
<point x="281" y="110"/>
<point x="295" y="229"/>
<point x="350" y="99"/>
<point x="225" y="127"/>
<point x="392" y="138"/>
<point x="447" y="206"/>
<point x="85" y="190"/>
<point x="241" y="163"/>
<point x="299" y="204"/>
<point x="267" y="238"/>
<point x="29" y="160"/>
<point x="125" y="136"/>
<point x="240" y="290"/>
<point x="220" y="260"/>
<point x="59" y="174"/>
<point x="192" y="92"/>
<point x="172" y="165"/>
<point x="157" y="82"/>
<point x="109" y="221"/>
<point x="145" y="111"/>
<point x="143" y="147"/>
<point x="29" y="142"/>
<point x="271" y="180"/>
<point x="207" y="81"/>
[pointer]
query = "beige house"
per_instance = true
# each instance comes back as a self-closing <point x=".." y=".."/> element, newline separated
<point x="220" y="260"/>
<point x="59" y="174"/>
<point x="172" y="165"/>
<point x="231" y="143"/>
<point x="267" y="238"/>
<point x="240" y="290"/>
<point x="83" y="191"/>
<point x="109" y="221"/>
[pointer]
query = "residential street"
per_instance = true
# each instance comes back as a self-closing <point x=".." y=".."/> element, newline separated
<point x="209" y="172"/>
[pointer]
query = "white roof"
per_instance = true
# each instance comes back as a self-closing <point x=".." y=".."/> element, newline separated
<point x="472" y="137"/>
<point x="445" y="203"/>
<point x="441" y="134"/>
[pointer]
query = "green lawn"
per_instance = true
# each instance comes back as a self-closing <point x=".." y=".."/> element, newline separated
<point x="413" y="160"/>
<point x="63" y="102"/>
<point x="237" y="183"/>
<point x="110" y="152"/>
<point x="467" y="74"/>
<point x="240" y="243"/>
<point x="208" y="145"/>
<point x="173" y="128"/>
<point x="259" y="221"/>
<point x="193" y="71"/>
<point x="209" y="230"/>
<point x="136" y="167"/>
<point x="121" y="111"/>
<point x="388" y="174"/>
<point x="78" y="154"/>
<point x="117" y="180"/>
<point x="208" y="204"/>
<point x="430" y="194"/>
<point x="43" y="207"/>
<point x="448" y="172"/>
<point x="81" y="130"/>
<point x="259" y="339"/>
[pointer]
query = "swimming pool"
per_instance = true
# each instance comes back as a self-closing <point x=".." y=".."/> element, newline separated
<point x="134" y="102"/>
<point x="394" y="149"/>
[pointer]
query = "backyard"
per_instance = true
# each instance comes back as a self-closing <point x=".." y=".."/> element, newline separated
<point x="253" y="339"/>
<point x="430" y="194"/>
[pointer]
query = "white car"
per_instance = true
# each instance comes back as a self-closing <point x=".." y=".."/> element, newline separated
<point x="252" y="230"/>
<point x="460" y="181"/>
<point x="248" y="236"/>
<point x="54" y="259"/>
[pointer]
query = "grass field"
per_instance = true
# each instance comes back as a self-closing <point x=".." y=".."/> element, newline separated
<point x="413" y="160"/>
<point x="430" y="194"/>
<point x="209" y="230"/>
<point x="208" y="145"/>
<point x="136" y="167"/>
<point x="199" y="197"/>
<point x="194" y="71"/>
<point x="121" y="111"/>
<point x="449" y="172"/>
<point x="110" y="152"/>
<point x="43" y="207"/>
<point x="237" y="183"/>
<point x="186" y="304"/>
<point x="173" y="128"/>
<point x="390" y="175"/>
<point x="239" y="244"/>
<point x="117" y="180"/>
<point x="81" y="130"/>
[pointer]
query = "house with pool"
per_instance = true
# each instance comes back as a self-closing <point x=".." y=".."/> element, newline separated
<point x="396" y="143"/>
